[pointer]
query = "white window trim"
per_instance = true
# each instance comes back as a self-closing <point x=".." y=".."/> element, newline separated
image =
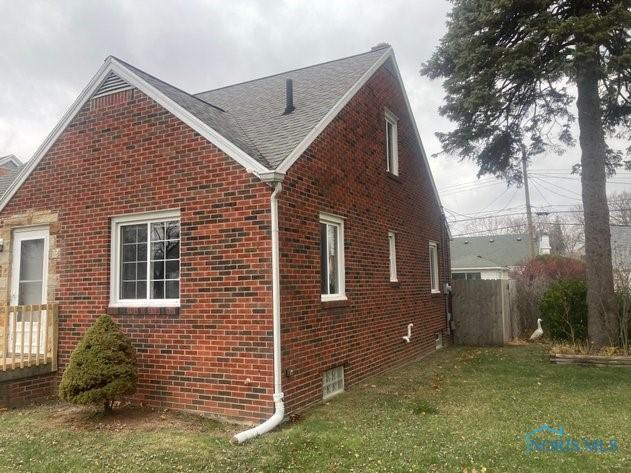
<point x="115" y="260"/>
<point x="433" y="246"/>
<point x="392" y="251"/>
<point x="339" y="221"/>
<point x="392" y="119"/>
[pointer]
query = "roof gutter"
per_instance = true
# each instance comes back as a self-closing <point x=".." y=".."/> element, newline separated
<point x="279" y="405"/>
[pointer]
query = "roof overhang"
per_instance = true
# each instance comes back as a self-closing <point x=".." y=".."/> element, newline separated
<point x="240" y="156"/>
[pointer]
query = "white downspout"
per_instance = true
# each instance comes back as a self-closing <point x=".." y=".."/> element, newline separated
<point x="279" y="405"/>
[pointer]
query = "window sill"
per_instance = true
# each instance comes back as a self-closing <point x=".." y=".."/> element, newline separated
<point x="335" y="304"/>
<point x="146" y="310"/>
<point x="394" y="177"/>
<point x="436" y="293"/>
<point x="395" y="284"/>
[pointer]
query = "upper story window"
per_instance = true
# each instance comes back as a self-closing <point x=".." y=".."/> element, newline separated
<point x="332" y="258"/>
<point x="146" y="260"/>
<point x="392" y="244"/>
<point x="392" y="143"/>
<point x="433" y="266"/>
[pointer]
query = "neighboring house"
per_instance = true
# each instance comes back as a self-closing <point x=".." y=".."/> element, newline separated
<point x="291" y="216"/>
<point x="492" y="257"/>
<point x="621" y="253"/>
<point x="10" y="166"/>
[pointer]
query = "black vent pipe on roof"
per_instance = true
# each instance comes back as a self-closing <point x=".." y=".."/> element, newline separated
<point x="289" y="96"/>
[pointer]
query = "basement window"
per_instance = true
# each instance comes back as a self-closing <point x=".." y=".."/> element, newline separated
<point x="146" y="260"/>
<point x="332" y="382"/>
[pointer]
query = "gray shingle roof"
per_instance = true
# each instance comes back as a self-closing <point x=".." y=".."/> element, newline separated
<point x="220" y="120"/>
<point x="621" y="246"/>
<point x="258" y="105"/>
<point x="6" y="179"/>
<point x="489" y="251"/>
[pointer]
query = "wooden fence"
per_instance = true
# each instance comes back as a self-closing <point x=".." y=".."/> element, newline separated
<point x="484" y="311"/>
<point x="29" y="336"/>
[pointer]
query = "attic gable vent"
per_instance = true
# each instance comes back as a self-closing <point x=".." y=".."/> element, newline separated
<point x="111" y="85"/>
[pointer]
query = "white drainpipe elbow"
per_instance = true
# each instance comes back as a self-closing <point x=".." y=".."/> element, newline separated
<point x="409" y="335"/>
<point x="266" y="426"/>
<point x="279" y="405"/>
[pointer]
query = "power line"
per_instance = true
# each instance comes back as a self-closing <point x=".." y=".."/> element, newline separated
<point x="484" y="217"/>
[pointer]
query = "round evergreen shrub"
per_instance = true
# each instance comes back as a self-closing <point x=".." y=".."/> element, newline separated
<point x="564" y="310"/>
<point x="101" y="368"/>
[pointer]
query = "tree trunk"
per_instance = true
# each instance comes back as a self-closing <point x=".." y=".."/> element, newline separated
<point x="601" y="300"/>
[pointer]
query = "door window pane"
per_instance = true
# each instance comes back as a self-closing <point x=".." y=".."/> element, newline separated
<point x="32" y="260"/>
<point x="30" y="293"/>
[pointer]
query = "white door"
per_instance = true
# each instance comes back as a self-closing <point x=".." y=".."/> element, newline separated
<point x="29" y="270"/>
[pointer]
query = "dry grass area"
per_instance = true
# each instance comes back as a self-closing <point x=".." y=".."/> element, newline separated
<point x="459" y="410"/>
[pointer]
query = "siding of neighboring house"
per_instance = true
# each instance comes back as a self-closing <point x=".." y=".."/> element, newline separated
<point x="344" y="173"/>
<point x="483" y="273"/>
<point x="129" y="155"/>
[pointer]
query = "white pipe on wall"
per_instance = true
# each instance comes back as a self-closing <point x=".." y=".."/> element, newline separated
<point x="279" y="405"/>
<point x="409" y="335"/>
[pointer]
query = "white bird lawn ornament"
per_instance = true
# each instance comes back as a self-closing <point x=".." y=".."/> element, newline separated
<point x="537" y="333"/>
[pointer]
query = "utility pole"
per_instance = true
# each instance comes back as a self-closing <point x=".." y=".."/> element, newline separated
<point x="531" y="236"/>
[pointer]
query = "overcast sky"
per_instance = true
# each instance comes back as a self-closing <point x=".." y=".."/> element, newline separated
<point x="50" y="50"/>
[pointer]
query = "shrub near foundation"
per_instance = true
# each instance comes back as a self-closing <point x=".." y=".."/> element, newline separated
<point x="102" y="367"/>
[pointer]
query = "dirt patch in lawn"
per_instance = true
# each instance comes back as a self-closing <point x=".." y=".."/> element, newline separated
<point x="130" y="418"/>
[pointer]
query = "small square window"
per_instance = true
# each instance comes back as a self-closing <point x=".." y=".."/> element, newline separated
<point x="392" y="144"/>
<point x="332" y="382"/>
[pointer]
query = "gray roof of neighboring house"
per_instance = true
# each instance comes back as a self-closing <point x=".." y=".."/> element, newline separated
<point x="9" y="163"/>
<point x="251" y="114"/>
<point x="259" y="105"/>
<point x="621" y="246"/>
<point x="489" y="251"/>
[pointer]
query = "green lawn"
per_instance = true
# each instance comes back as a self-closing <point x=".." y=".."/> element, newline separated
<point x="458" y="410"/>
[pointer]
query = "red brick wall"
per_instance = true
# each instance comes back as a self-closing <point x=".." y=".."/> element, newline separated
<point x="25" y="391"/>
<point x="125" y="154"/>
<point x="344" y="173"/>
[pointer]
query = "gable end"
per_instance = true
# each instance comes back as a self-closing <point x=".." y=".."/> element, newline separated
<point x="111" y="85"/>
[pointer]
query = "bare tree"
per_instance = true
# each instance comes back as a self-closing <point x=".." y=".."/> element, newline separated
<point x="620" y="208"/>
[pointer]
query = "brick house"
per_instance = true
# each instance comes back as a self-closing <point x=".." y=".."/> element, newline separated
<point x="274" y="236"/>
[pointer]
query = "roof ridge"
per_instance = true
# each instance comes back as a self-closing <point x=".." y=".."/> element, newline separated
<point x="292" y="70"/>
<point x="168" y="83"/>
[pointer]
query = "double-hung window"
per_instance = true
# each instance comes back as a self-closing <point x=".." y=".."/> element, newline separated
<point x="392" y="144"/>
<point x="332" y="258"/>
<point x="392" y="244"/>
<point x="433" y="267"/>
<point x="146" y="260"/>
